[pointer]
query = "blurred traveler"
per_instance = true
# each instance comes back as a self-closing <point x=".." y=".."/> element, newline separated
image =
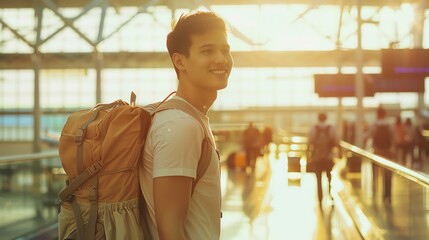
<point x="349" y="132"/>
<point x="251" y="145"/>
<point x="383" y="141"/>
<point x="322" y="139"/>
<point x="400" y="140"/>
<point x="421" y="144"/>
<point x="409" y="142"/>
<point x="267" y="136"/>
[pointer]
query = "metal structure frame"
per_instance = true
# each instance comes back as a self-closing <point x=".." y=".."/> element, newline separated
<point x="98" y="60"/>
<point x="151" y="60"/>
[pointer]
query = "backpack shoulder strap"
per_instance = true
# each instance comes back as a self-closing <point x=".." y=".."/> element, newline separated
<point x="206" y="146"/>
<point x="182" y="106"/>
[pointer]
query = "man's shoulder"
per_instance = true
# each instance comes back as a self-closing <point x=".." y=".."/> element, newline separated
<point x="174" y="115"/>
<point x="175" y="128"/>
<point x="175" y="119"/>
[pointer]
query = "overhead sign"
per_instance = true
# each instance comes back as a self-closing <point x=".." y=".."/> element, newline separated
<point x="398" y="84"/>
<point x="413" y="62"/>
<point x="339" y="85"/>
<point x="343" y="85"/>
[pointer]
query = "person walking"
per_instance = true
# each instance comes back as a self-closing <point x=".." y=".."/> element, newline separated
<point x="252" y="145"/>
<point x="409" y="143"/>
<point x="322" y="139"/>
<point x="201" y="57"/>
<point x="400" y="141"/>
<point x="267" y="137"/>
<point x="383" y="140"/>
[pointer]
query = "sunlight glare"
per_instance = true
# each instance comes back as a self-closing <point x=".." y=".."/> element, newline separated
<point x="282" y="147"/>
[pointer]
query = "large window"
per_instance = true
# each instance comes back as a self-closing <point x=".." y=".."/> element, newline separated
<point x="279" y="27"/>
<point x="150" y="85"/>
<point x="16" y="90"/>
<point x="62" y="89"/>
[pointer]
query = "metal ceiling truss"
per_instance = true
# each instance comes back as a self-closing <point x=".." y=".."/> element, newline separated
<point x="69" y="22"/>
<point x="234" y="31"/>
<point x="301" y="17"/>
<point x="41" y="5"/>
<point x="248" y="59"/>
<point x="184" y="4"/>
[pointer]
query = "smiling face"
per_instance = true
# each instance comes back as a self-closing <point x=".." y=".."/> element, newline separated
<point x="209" y="62"/>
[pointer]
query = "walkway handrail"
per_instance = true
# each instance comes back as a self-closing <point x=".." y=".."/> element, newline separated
<point x="27" y="157"/>
<point x="417" y="177"/>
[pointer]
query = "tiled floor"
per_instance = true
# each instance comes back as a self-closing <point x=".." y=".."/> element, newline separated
<point x="279" y="205"/>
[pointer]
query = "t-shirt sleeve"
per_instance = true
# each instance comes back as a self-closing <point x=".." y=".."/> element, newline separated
<point x="177" y="145"/>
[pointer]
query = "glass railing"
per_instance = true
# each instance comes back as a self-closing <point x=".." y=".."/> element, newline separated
<point x="359" y="194"/>
<point x="28" y="190"/>
<point x="403" y="215"/>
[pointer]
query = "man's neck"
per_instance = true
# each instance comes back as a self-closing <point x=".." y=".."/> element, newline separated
<point x="201" y="100"/>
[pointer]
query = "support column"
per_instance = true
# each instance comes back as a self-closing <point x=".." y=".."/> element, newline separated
<point x="418" y="30"/>
<point x="359" y="86"/>
<point x="36" y="109"/>
<point x="340" y="120"/>
<point x="98" y="68"/>
<point x="37" y="144"/>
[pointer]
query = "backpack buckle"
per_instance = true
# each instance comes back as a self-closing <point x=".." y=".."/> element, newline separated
<point x="92" y="195"/>
<point x="94" y="168"/>
<point x="64" y="196"/>
<point x="78" y="139"/>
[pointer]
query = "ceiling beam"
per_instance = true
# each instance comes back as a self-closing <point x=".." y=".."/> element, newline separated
<point x="128" y="3"/>
<point x="162" y="60"/>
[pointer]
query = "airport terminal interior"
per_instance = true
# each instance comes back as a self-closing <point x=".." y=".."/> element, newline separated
<point x="293" y="59"/>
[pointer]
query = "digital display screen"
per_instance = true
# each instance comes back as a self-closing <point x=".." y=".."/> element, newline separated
<point x="339" y="85"/>
<point x="343" y="85"/>
<point x="384" y="83"/>
<point x="410" y="62"/>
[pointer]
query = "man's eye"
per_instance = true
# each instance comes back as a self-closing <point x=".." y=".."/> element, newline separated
<point x="207" y="51"/>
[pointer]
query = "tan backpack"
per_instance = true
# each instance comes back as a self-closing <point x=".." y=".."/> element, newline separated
<point x="99" y="150"/>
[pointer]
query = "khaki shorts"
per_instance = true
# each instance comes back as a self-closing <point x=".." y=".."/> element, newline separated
<point x="121" y="220"/>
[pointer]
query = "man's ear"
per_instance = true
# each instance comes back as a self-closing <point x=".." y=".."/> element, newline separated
<point x="178" y="61"/>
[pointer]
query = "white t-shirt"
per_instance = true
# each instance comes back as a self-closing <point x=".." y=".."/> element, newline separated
<point x="173" y="148"/>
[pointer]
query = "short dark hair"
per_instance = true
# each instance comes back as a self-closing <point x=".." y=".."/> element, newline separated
<point x="322" y="117"/>
<point x="381" y="113"/>
<point x="179" y="39"/>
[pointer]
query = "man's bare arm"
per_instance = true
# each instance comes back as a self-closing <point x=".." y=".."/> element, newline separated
<point x="172" y="196"/>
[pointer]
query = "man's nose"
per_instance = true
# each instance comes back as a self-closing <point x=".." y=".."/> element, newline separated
<point x="221" y="57"/>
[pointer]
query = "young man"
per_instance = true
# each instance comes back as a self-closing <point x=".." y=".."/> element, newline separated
<point x="202" y="60"/>
<point x="322" y="139"/>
